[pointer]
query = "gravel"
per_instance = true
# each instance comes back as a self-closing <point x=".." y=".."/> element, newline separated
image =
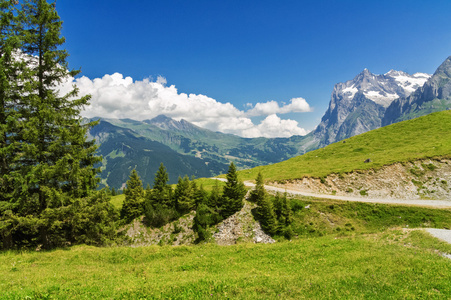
<point x="443" y="234"/>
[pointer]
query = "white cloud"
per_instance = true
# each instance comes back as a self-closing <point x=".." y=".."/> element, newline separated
<point x="273" y="126"/>
<point x="272" y="107"/>
<point x="114" y="96"/>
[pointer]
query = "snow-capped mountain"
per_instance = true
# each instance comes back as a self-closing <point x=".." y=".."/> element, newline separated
<point x="358" y="105"/>
<point x="434" y="95"/>
<point x="382" y="89"/>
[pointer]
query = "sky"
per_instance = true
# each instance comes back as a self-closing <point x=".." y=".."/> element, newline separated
<point x="251" y="68"/>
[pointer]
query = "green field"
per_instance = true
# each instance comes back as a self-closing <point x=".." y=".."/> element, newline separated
<point x="389" y="265"/>
<point x="421" y="138"/>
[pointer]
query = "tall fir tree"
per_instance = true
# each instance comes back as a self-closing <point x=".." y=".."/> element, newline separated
<point x="162" y="193"/>
<point x="233" y="193"/>
<point x="134" y="198"/>
<point x="284" y="215"/>
<point x="9" y="114"/>
<point x="53" y="161"/>
<point x="183" y="195"/>
<point x="265" y="210"/>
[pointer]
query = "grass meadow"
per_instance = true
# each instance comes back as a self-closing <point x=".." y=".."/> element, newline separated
<point x="394" y="264"/>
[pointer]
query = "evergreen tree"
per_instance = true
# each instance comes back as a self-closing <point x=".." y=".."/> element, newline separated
<point x="284" y="215"/>
<point x="50" y="160"/>
<point x="258" y="193"/>
<point x="9" y="114"/>
<point x="134" y="197"/>
<point x="162" y="192"/>
<point x="214" y="200"/>
<point x="265" y="210"/>
<point x="233" y="193"/>
<point x="200" y="196"/>
<point x="183" y="195"/>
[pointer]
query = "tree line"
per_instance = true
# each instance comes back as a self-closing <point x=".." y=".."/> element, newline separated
<point x="162" y="203"/>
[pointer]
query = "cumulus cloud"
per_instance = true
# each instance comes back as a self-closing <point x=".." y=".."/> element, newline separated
<point x="272" y="107"/>
<point x="116" y="96"/>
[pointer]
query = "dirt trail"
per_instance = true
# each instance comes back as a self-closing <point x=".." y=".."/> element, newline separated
<point x="293" y="191"/>
<point x="430" y="203"/>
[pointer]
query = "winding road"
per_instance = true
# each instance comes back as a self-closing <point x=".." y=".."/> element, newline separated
<point x="416" y="202"/>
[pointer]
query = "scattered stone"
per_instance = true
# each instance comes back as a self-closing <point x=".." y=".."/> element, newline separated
<point x="241" y="227"/>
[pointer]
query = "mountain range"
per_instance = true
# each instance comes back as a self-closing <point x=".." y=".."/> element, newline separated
<point x="364" y="103"/>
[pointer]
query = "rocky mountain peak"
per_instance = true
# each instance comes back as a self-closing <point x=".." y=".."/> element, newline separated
<point x="167" y="123"/>
<point x="434" y="95"/>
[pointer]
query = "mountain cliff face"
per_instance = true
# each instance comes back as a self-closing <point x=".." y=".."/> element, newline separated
<point x="434" y="95"/>
<point x="359" y="105"/>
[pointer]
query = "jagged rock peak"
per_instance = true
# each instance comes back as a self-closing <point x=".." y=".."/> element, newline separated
<point x="445" y="68"/>
<point x="382" y="89"/>
<point x="167" y="123"/>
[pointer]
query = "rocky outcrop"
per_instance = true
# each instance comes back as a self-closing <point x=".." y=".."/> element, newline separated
<point x="241" y="227"/>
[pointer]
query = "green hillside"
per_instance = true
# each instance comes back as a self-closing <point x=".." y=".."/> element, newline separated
<point x="424" y="137"/>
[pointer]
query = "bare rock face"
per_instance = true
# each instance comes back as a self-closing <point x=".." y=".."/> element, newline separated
<point x="241" y="227"/>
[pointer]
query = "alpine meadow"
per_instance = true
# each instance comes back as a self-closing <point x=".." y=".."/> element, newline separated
<point x="114" y="188"/>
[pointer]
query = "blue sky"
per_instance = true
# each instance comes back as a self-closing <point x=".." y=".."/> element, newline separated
<point x="250" y="52"/>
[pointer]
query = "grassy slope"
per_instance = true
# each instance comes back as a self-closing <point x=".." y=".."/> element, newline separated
<point x="378" y="266"/>
<point x="424" y="137"/>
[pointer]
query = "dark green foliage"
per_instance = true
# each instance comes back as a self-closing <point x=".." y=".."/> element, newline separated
<point x="160" y="204"/>
<point x="158" y="215"/>
<point x="206" y="215"/>
<point x="200" y="196"/>
<point x="202" y="221"/>
<point x="184" y="200"/>
<point x="134" y="198"/>
<point x="258" y="193"/>
<point x="264" y="211"/>
<point x="94" y="220"/>
<point x="161" y="193"/>
<point x="233" y="193"/>
<point x="49" y="178"/>
<point x="284" y="215"/>
<point x="214" y="199"/>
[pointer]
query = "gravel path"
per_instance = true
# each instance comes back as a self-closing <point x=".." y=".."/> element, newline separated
<point x="443" y="234"/>
<point x="429" y="203"/>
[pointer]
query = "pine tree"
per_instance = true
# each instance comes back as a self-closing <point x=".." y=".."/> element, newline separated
<point x="183" y="195"/>
<point x="233" y="193"/>
<point x="52" y="161"/>
<point x="214" y="200"/>
<point x="162" y="192"/>
<point x="134" y="197"/>
<point x="265" y="210"/>
<point x="9" y="114"/>
<point x="284" y="215"/>
<point x="258" y="193"/>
